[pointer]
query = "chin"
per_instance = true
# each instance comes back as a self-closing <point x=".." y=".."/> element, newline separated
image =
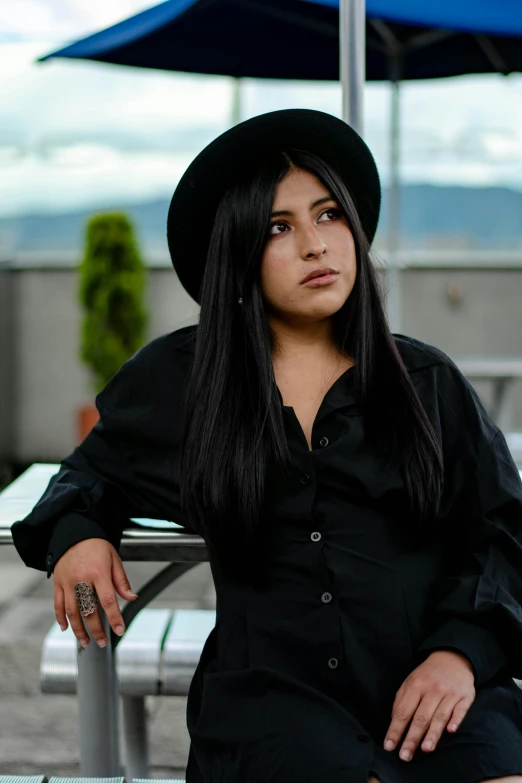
<point x="323" y="309"/>
<point x="329" y="300"/>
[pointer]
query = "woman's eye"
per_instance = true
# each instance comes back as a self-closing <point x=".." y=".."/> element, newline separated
<point x="332" y="210"/>
<point x="336" y="212"/>
<point x="276" y="224"/>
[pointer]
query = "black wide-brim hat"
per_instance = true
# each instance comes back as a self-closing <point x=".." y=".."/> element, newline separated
<point x="197" y="195"/>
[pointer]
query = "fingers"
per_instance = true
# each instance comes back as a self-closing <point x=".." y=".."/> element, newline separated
<point x="119" y="579"/>
<point x="95" y="625"/>
<point x="437" y="692"/>
<point x="448" y="714"/>
<point x="75" y="618"/>
<point x="431" y="716"/>
<point x="109" y="602"/>
<point x="404" y="707"/>
<point x="59" y="608"/>
<point x="95" y="562"/>
<point x="66" y="606"/>
<point x="459" y="713"/>
<point x="428" y="720"/>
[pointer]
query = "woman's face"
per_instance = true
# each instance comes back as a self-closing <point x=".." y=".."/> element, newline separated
<point x="305" y="235"/>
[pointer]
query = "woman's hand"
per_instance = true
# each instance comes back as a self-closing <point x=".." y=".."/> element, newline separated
<point x="96" y="562"/>
<point x="439" y="691"/>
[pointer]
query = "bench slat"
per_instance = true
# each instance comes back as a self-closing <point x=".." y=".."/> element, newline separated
<point x="23" y="779"/>
<point x="182" y="649"/>
<point x="138" y="656"/>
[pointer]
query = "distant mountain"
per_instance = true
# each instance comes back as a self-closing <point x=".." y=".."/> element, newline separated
<point x="474" y="218"/>
<point x="65" y="231"/>
<point x="431" y="216"/>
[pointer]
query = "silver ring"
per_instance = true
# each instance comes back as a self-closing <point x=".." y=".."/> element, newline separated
<point x="86" y="598"/>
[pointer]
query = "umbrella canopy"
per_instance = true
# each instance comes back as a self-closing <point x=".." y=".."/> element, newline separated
<point x="298" y="39"/>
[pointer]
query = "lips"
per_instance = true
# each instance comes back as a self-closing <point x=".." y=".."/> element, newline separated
<point x="319" y="272"/>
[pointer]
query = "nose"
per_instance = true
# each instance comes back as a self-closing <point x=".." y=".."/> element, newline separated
<point x="312" y="244"/>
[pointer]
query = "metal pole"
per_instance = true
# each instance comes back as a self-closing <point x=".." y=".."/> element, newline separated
<point x="136" y="732"/>
<point x="235" y="112"/>
<point x="394" y="282"/>
<point x="352" y="62"/>
<point x="98" y="709"/>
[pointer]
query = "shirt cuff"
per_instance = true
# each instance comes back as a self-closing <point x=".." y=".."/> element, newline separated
<point x="478" y="644"/>
<point x="72" y="528"/>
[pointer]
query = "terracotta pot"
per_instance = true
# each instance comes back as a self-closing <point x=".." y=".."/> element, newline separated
<point x="86" y="418"/>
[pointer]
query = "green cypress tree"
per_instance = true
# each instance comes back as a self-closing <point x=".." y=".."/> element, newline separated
<point x="112" y="283"/>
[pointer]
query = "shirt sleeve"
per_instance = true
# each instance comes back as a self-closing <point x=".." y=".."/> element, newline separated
<point x="127" y="466"/>
<point x="477" y="610"/>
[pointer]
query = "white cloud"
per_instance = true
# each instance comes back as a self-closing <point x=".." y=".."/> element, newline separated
<point x="72" y="132"/>
<point x="464" y="131"/>
<point x="468" y="173"/>
<point x="502" y="146"/>
<point x="62" y="20"/>
<point x="89" y="181"/>
<point x="30" y="19"/>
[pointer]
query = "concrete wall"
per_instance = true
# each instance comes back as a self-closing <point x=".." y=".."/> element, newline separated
<point x="51" y="380"/>
<point x="8" y="378"/>
<point x="467" y="311"/>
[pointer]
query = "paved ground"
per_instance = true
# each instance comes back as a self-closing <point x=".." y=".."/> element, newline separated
<point x="38" y="732"/>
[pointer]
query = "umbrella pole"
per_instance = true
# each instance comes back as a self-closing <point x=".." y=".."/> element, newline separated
<point x="352" y="63"/>
<point x="394" y="274"/>
<point x="235" y="111"/>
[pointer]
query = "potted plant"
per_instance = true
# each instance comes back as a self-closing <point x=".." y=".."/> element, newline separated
<point x="111" y="288"/>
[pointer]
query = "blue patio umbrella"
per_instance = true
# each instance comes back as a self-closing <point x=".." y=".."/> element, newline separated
<point x="298" y="39"/>
<point x="352" y="40"/>
<point x="316" y="40"/>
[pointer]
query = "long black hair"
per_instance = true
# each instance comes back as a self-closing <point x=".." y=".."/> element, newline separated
<point x="233" y="424"/>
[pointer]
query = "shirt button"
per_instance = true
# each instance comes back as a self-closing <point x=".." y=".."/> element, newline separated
<point x="323" y="442"/>
<point x="315" y="536"/>
<point x="332" y="663"/>
<point x="49" y="559"/>
<point x="363" y="738"/>
<point x="305" y="479"/>
<point x="326" y="598"/>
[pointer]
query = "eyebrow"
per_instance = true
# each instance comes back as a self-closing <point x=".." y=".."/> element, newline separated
<point x="312" y="206"/>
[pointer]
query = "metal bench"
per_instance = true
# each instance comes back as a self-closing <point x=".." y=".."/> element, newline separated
<point x="152" y="780"/>
<point x="514" y="441"/>
<point x="44" y="779"/>
<point x="86" y="780"/>
<point x="157" y="655"/>
<point x="182" y="649"/>
<point x="23" y="779"/>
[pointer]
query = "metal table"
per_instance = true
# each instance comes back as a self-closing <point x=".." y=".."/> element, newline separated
<point x="97" y="688"/>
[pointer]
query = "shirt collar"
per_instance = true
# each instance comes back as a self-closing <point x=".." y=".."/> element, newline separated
<point x="341" y="394"/>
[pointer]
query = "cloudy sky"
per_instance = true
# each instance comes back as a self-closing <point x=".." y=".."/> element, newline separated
<point x="77" y="134"/>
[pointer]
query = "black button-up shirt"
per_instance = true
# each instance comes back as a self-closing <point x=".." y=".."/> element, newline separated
<point x="353" y="601"/>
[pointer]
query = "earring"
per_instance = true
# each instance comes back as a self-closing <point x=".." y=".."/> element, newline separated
<point x="240" y="300"/>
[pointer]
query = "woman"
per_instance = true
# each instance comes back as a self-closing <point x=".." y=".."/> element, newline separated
<point x="362" y="513"/>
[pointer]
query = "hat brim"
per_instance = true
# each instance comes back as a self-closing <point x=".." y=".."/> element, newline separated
<point x="197" y="195"/>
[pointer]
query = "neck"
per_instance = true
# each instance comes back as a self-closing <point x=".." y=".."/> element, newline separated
<point x="302" y="342"/>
